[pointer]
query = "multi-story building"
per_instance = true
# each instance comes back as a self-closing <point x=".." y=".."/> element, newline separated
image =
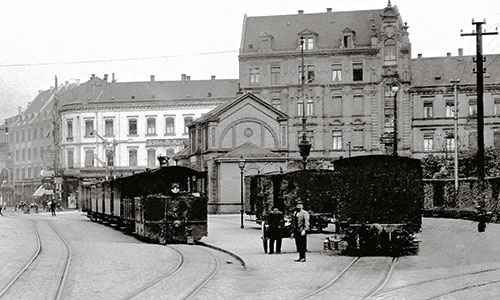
<point x="6" y="187"/>
<point x="351" y="61"/>
<point x="433" y="103"/>
<point x="118" y="128"/>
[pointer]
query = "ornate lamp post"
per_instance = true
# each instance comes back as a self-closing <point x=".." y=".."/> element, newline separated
<point x="241" y="165"/>
<point x="395" y="89"/>
<point x="304" y="144"/>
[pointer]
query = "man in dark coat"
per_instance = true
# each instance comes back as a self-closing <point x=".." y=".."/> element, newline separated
<point x="276" y="222"/>
<point x="300" y="228"/>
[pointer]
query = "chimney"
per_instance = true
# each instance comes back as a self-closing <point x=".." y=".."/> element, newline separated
<point x="448" y="54"/>
<point x="113" y="77"/>
<point x="212" y="77"/>
<point x="183" y="77"/>
<point x="92" y="76"/>
<point x="66" y="83"/>
<point x="188" y="78"/>
<point x="460" y="52"/>
<point x="152" y="78"/>
<point x="329" y="9"/>
<point x="301" y="12"/>
<point x="105" y="78"/>
<point x="78" y="82"/>
<point x="19" y="110"/>
<point x="419" y="55"/>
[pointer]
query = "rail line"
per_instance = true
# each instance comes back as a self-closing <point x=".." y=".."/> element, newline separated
<point x="395" y="291"/>
<point x="64" y="276"/>
<point x="331" y="282"/>
<point x="385" y="281"/>
<point x="207" y="279"/>
<point x="160" y="278"/>
<point x="477" y="285"/>
<point x="30" y="262"/>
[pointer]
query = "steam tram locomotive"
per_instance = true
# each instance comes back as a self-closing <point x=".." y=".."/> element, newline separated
<point x="376" y="201"/>
<point x="164" y="205"/>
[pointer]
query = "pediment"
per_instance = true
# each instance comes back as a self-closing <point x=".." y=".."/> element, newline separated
<point x="307" y="32"/>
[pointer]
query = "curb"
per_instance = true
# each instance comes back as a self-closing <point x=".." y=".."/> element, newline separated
<point x="236" y="256"/>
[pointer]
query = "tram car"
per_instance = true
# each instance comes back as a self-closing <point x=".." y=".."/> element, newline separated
<point x="374" y="202"/>
<point x="164" y="205"/>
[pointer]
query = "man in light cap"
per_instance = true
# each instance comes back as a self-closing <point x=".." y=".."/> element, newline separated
<point x="300" y="228"/>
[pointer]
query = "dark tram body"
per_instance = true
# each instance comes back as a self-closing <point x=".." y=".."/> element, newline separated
<point x="375" y="202"/>
<point x="165" y="205"/>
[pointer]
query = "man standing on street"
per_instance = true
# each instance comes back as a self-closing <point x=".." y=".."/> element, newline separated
<point x="276" y="223"/>
<point x="300" y="228"/>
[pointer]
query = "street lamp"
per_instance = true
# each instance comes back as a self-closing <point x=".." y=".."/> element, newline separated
<point x="395" y="89"/>
<point x="304" y="145"/>
<point x="241" y="165"/>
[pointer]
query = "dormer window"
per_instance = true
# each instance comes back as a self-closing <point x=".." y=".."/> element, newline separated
<point x="390" y="52"/>
<point x="265" y="42"/>
<point x="347" y="38"/>
<point x="309" y="43"/>
<point x="310" y="39"/>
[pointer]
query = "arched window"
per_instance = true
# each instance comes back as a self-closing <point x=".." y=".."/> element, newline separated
<point x="390" y="52"/>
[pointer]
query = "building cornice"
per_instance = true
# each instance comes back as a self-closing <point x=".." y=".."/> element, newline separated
<point x="310" y="53"/>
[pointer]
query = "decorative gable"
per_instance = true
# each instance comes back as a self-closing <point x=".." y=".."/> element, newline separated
<point x="309" y="39"/>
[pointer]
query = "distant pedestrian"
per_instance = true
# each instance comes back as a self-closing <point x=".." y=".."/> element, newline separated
<point x="53" y="208"/>
<point x="276" y="222"/>
<point x="1" y="210"/>
<point x="300" y="228"/>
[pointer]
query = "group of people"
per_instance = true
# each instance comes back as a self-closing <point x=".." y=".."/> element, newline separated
<point x="300" y="226"/>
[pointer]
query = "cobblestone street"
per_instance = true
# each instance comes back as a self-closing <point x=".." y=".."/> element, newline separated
<point x="455" y="262"/>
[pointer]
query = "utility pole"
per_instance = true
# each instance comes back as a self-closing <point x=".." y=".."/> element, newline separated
<point x="55" y="133"/>
<point x="480" y="90"/>
<point x="455" y="129"/>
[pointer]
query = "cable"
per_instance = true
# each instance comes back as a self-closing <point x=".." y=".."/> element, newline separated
<point x="114" y="60"/>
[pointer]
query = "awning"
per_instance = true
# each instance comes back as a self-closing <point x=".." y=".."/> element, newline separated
<point x="42" y="191"/>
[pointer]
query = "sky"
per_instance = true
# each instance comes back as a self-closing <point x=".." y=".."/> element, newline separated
<point x="136" y="39"/>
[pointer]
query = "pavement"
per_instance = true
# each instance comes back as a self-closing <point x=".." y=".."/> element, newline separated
<point x="225" y="234"/>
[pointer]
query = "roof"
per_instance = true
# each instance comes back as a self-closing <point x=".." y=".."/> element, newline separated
<point x="156" y="91"/>
<point x="328" y="27"/>
<point x="440" y="70"/>
<point x="249" y="150"/>
<point x="214" y="113"/>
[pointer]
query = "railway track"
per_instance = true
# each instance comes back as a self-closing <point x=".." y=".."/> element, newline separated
<point x="344" y="281"/>
<point x="41" y="267"/>
<point x="179" y="282"/>
<point x="439" y="287"/>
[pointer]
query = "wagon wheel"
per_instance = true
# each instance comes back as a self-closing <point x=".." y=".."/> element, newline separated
<point x="264" y="237"/>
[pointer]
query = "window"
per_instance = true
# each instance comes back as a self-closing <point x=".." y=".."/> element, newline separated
<point x="300" y="108"/>
<point x="347" y="41"/>
<point x="310" y="107"/>
<point x="132" y="157"/>
<point x="275" y="75"/>
<point x="472" y="107"/>
<point x="309" y="74"/>
<point x="337" y="106"/>
<point x="89" y="158"/>
<point x="428" y="109"/>
<point x="336" y="72"/>
<point x="132" y="126"/>
<point x="357" y="71"/>
<point x="390" y="52"/>
<point x="29" y="134"/>
<point x="357" y="140"/>
<point x="89" y="128"/>
<point x="254" y="76"/>
<point x="276" y="103"/>
<point x="23" y="136"/>
<point x="23" y="152"/>
<point x="151" y="157"/>
<point x="309" y="137"/>
<point x="358" y="105"/>
<point x="29" y="154"/>
<point x="70" y="159"/>
<point x="170" y="125"/>
<point x="17" y="155"/>
<point x="473" y="140"/>
<point x="308" y="43"/>
<point x="428" y="143"/>
<point x="450" y="143"/>
<point x="187" y="120"/>
<point x="450" y="108"/>
<point x="337" y="140"/>
<point x="497" y="107"/>
<point x="151" y="126"/>
<point x="35" y="153"/>
<point x="69" y="129"/>
<point x="35" y="131"/>
<point x="283" y="137"/>
<point x="496" y="138"/>
<point x="110" y="157"/>
<point x="29" y="173"/>
<point x="108" y="127"/>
